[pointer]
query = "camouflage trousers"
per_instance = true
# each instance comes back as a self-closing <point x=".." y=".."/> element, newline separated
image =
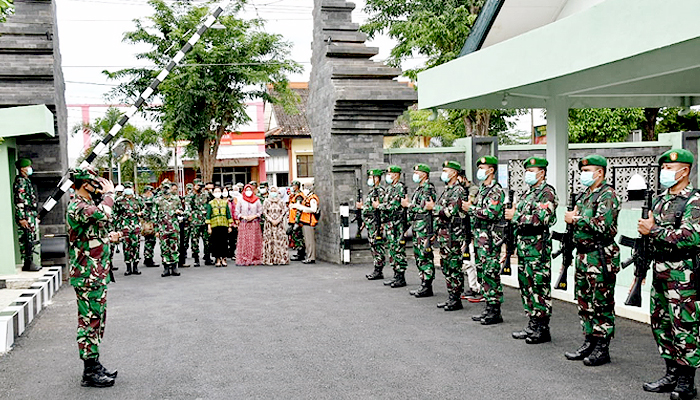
<point x="185" y="236"/>
<point x="296" y="239"/>
<point x="377" y="246"/>
<point x="424" y="256"/>
<point x="451" y="262"/>
<point x="397" y="252"/>
<point x="675" y="315"/>
<point x="26" y="238"/>
<point x="595" y="291"/>
<point x="92" y="314"/>
<point x="149" y="245"/>
<point x="488" y="266"/>
<point x="535" y="281"/>
<point x="170" y="247"/>
<point x="197" y="232"/>
<point x="132" y="246"/>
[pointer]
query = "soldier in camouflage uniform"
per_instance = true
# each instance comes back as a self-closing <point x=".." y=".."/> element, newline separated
<point x="296" y="235"/>
<point x="533" y="216"/>
<point x="450" y="233"/>
<point x="189" y="197"/>
<point x="486" y="212"/>
<point x="422" y="228"/>
<point x="87" y="225"/>
<point x="392" y="214"/>
<point x="594" y="222"/>
<point x="198" y="207"/>
<point x="26" y="216"/>
<point x="184" y="221"/>
<point x="148" y="216"/>
<point x="128" y="210"/>
<point x="372" y="220"/>
<point x="168" y="211"/>
<point x="674" y="228"/>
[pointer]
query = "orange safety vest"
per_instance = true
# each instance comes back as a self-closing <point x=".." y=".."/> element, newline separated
<point x="309" y="218"/>
<point x="293" y="211"/>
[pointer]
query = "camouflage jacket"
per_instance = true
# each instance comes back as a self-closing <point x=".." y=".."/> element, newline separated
<point x="535" y="210"/>
<point x="127" y="214"/>
<point x="168" y="210"/>
<point x="449" y="215"/>
<point x="666" y="238"/>
<point x="148" y="211"/>
<point x="368" y="211"/>
<point x="88" y="241"/>
<point x="198" y="207"/>
<point x="416" y="208"/>
<point x="488" y="204"/>
<point x="390" y="206"/>
<point x="598" y="219"/>
<point x="25" y="199"/>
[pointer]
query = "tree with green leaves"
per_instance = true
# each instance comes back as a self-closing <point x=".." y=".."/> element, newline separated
<point x="7" y="7"/>
<point x="670" y="121"/>
<point x="602" y="125"/>
<point x="205" y="97"/>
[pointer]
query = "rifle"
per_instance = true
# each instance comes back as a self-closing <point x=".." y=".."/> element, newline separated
<point x="566" y="240"/>
<point x="431" y="230"/>
<point x="641" y="256"/>
<point x="509" y="237"/>
<point x="358" y="212"/>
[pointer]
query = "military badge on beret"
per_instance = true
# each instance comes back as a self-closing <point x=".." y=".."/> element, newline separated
<point x="673" y="156"/>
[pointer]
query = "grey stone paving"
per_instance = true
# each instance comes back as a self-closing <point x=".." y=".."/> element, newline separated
<point x="312" y="332"/>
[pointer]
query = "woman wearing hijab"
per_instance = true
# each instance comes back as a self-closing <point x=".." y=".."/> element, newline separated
<point x="275" y="240"/>
<point x="249" y="244"/>
<point x="234" y="198"/>
<point x="219" y="222"/>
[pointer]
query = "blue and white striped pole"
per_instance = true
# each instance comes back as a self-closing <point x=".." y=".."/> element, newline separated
<point x="66" y="182"/>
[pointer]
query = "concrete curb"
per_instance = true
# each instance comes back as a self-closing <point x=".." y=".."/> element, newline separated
<point x="15" y="318"/>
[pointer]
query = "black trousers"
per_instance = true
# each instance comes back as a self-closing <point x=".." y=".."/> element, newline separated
<point x="218" y="242"/>
<point x="232" y="240"/>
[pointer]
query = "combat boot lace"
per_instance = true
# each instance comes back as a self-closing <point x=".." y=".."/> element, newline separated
<point x="666" y="383"/>
<point x="600" y="354"/>
<point x="400" y="280"/>
<point x="540" y="333"/>
<point x="111" y="374"/>
<point x="493" y="316"/>
<point x="525" y="332"/>
<point x="375" y="275"/>
<point x="454" y="303"/>
<point x="426" y="289"/>
<point x="583" y="351"/>
<point x="685" y="389"/>
<point x="93" y="375"/>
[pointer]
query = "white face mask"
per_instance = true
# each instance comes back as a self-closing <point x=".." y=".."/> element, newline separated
<point x="481" y="174"/>
<point x="263" y="190"/>
<point x="445" y="177"/>
<point x="273" y="194"/>
<point x="30" y="171"/>
<point x="248" y="193"/>
<point x="128" y="192"/>
<point x="225" y="193"/>
<point x="389" y="179"/>
<point x="306" y="192"/>
<point x="217" y="194"/>
<point x="416" y="178"/>
<point x="370" y="182"/>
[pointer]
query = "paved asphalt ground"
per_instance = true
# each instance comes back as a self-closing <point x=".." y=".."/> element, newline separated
<point x="312" y="332"/>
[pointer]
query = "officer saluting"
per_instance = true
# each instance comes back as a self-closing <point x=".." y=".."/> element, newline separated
<point x="373" y="221"/>
<point x="594" y="221"/>
<point x="674" y="229"/>
<point x="422" y="228"/>
<point x="534" y="214"/>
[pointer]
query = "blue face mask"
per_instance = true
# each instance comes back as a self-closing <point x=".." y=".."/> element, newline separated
<point x="416" y="178"/>
<point x="667" y="177"/>
<point x="30" y="171"/>
<point x="445" y="177"/>
<point x="389" y="179"/>
<point x="128" y="192"/>
<point x="370" y="182"/>
<point x="587" y="179"/>
<point x="530" y="177"/>
<point x="481" y="174"/>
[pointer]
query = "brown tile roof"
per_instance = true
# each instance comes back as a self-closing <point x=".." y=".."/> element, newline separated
<point x="289" y="125"/>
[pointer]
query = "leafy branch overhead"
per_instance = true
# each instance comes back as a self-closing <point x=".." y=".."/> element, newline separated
<point x="7" y="7"/>
<point x="206" y="95"/>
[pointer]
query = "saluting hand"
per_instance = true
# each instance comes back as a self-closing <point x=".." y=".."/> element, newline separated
<point x="645" y="226"/>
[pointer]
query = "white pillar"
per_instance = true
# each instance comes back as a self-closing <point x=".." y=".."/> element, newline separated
<point x="558" y="146"/>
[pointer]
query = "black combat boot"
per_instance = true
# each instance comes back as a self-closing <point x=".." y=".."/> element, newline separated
<point x="493" y="316"/>
<point x="685" y="388"/>
<point x="390" y="281"/>
<point x="583" y="351"/>
<point x="94" y="376"/>
<point x="454" y="303"/>
<point x="425" y="290"/>
<point x="207" y="260"/>
<point x="148" y="262"/>
<point x="375" y="275"/>
<point x="196" y="262"/>
<point x="400" y="280"/>
<point x="300" y="256"/>
<point x="540" y="333"/>
<point x="667" y="382"/>
<point x="600" y="354"/>
<point x="173" y="270"/>
<point x="135" y="269"/>
<point x="166" y="270"/>
<point x="526" y="331"/>
<point x="183" y="260"/>
<point x="29" y="265"/>
<point x="479" y="317"/>
<point x="111" y="374"/>
<point x="128" y="269"/>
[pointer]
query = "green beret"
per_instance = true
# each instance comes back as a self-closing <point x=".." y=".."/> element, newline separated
<point x="593" y="159"/>
<point x="128" y="185"/>
<point x="375" y="172"/>
<point x="488" y="160"/>
<point x="197" y="181"/>
<point x="394" y="168"/>
<point x="147" y="188"/>
<point x="422" y="168"/>
<point x="189" y="186"/>
<point x="677" y="155"/>
<point x="535" y="162"/>
<point x="86" y="174"/>
<point x="23" y="162"/>
<point x="296" y="183"/>
<point x="453" y="165"/>
<point x="165" y="185"/>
